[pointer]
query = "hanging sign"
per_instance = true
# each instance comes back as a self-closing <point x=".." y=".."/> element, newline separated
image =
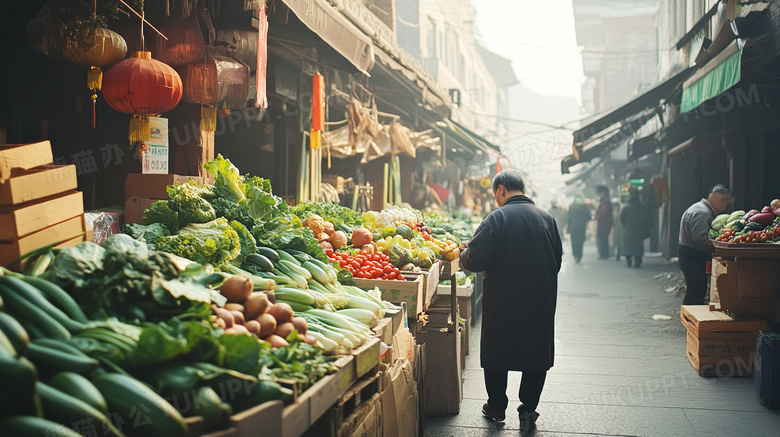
<point x="155" y="158"/>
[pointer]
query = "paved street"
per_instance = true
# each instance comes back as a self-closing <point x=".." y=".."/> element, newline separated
<point x="617" y="371"/>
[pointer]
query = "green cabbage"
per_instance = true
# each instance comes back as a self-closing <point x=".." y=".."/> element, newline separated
<point x="215" y="242"/>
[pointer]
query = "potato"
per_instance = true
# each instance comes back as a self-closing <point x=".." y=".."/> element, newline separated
<point x="253" y="326"/>
<point x="284" y="329"/>
<point x="300" y="325"/>
<point x="256" y="305"/>
<point x="237" y="289"/>
<point x="227" y="317"/>
<point x="241" y="329"/>
<point x="221" y="323"/>
<point x="309" y="340"/>
<point x="235" y="307"/>
<point x="282" y="312"/>
<point x="276" y="341"/>
<point x="238" y="317"/>
<point x="267" y="325"/>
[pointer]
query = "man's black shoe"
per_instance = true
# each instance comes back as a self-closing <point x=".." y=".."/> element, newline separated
<point x="527" y="418"/>
<point x="493" y="413"/>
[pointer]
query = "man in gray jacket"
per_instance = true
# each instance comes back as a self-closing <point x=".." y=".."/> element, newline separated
<point x="695" y="248"/>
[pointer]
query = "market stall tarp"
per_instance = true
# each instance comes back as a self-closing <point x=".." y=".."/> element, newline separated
<point x="336" y="30"/>
<point x="720" y="74"/>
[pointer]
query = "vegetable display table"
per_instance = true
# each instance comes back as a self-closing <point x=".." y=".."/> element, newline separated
<point x="747" y="278"/>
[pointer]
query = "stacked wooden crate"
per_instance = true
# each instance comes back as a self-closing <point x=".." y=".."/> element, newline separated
<point x="719" y="345"/>
<point x="39" y="204"/>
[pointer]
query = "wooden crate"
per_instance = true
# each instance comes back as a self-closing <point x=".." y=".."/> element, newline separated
<point x="366" y="357"/>
<point x="266" y="417"/>
<point x="409" y="291"/>
<point x="350" y="404"/>
<point x="37" y="183"/>
<point x="718" y="345"/>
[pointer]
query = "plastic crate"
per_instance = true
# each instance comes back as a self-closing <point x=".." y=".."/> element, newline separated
<point x="766" y="374"/>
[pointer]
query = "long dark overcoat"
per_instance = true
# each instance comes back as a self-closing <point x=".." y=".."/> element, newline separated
<point x="636" y="220"/>
<point x="519" y="250"/>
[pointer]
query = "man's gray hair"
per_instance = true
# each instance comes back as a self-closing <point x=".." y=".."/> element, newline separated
<point x="512" y="180"/>
<point x="722" y="190"/>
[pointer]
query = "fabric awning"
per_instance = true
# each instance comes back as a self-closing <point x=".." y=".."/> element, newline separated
<point x="646" y="100"/>
<point x="718" y="75"/>
<point x="478" y="137"/>
<point x="336" y="30"/>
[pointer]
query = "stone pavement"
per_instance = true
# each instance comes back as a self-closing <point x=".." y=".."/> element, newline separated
<point x="617" y="371"/>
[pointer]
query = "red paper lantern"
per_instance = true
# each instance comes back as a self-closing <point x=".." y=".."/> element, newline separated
<point x="141" y="86"/>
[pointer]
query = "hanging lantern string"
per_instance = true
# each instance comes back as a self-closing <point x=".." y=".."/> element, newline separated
<point x="143" y="20"/>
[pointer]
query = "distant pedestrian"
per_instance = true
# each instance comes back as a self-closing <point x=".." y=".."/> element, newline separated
<point x="695" y="248"/>
<point x="519" y="249"/>
<point x="557" y="213"/>
<point x="604" y="221"/>
<point x="635" y="220"/>
<point x="577" y="223"/>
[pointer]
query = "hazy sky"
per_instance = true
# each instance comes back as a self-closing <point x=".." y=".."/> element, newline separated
<point x="539" y="37"/>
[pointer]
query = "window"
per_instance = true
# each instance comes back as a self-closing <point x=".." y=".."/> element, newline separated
<point x="432" y="39"/>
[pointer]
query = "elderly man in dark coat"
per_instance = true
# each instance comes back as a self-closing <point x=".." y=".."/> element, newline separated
<point x="519" y="249"/>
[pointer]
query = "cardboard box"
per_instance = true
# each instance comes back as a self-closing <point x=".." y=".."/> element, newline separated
<point x="409" y="291"/>
<point x="443" y="389"/>
<point x="400" y="415"/>
<point x="37" y="183"/>
<point x="135" y="207"/>
<point x="370" y="413"/>
<point x="748" y="287"/>
<point x="15" y="223"/>
<point x="24" y="156"/>
<point x="153" y="186"/>
<point x="68" y="233"/>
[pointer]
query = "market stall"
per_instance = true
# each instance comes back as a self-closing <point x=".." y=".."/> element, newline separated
<point x="224" y="311"/>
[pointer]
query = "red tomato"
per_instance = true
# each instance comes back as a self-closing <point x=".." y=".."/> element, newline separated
<point x="342" y="263"/>
<point x="355" y="265"/>
<point x="387" y="269"/>
<point x="376" y="257"/>
<point x="396" y="271"/>
<point x="391" y="275"/>
<point x="329" y="252"/>
<point x="400" y="278"/>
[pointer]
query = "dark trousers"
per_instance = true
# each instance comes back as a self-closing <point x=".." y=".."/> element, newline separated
<point x="602" y="242"/>
<point x="530" y="389"/>
<point x="576" y="246"/>
<point x="634" y="261"/>
<point x="695" y="272"/>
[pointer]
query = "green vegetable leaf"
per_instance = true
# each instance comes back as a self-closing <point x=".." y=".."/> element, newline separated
<point x="248" y="244"/>
<point x="146" y="233"/>
<point x="74" y="265"/>
<point x="227" y="177"/>
<point x="161" y="212"/>
<point x="214" y="242"/>
<point x="243" y="352"/>
<point x="189" y="201"/>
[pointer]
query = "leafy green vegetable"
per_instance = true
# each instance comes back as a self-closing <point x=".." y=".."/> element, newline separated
<point x="261" y="204"/>
<point x="243" y="353"/>
<point x="189" y="200"/>
<point x="73" y="266"/>
<point x="336" y="214"/>
<point x="161" y="212"/>
<point x="231" y="210"/>
<point x="248" y="244"/>
<point x="284" y="233"/>
<point x="227" y="177"/>
<point x="214" y="242"/>
<point x="146" y="233"/>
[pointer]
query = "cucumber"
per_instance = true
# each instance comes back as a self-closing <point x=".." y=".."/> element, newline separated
<point x="261" y="261"/>
<point x="60" y="345"/>
<point x="284" y="256"/>
<point x="298" y="270"/>
<point x="125" y="395"/>
<point x="59" y="296"/>
<point x="18" y="395"/>
<point x="268" y="253"/>
<point x="203" y="402"/>
<point x="294" y="295"/>
<point x="52" y="361"/>
<point x="317" y="273"/>
<point x="212" y="279"/>
<point x="64" y="408"/>
<point x="27" y="301"/>
<point x="14" y="332"/>
<point x="297" y="306"/>
<point x="80" y="388"/>
<point x="34" y="426"/>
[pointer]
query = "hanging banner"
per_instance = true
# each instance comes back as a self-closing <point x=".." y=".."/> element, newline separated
<point x="261" y="101"/>
<point x="155" y="159"/>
